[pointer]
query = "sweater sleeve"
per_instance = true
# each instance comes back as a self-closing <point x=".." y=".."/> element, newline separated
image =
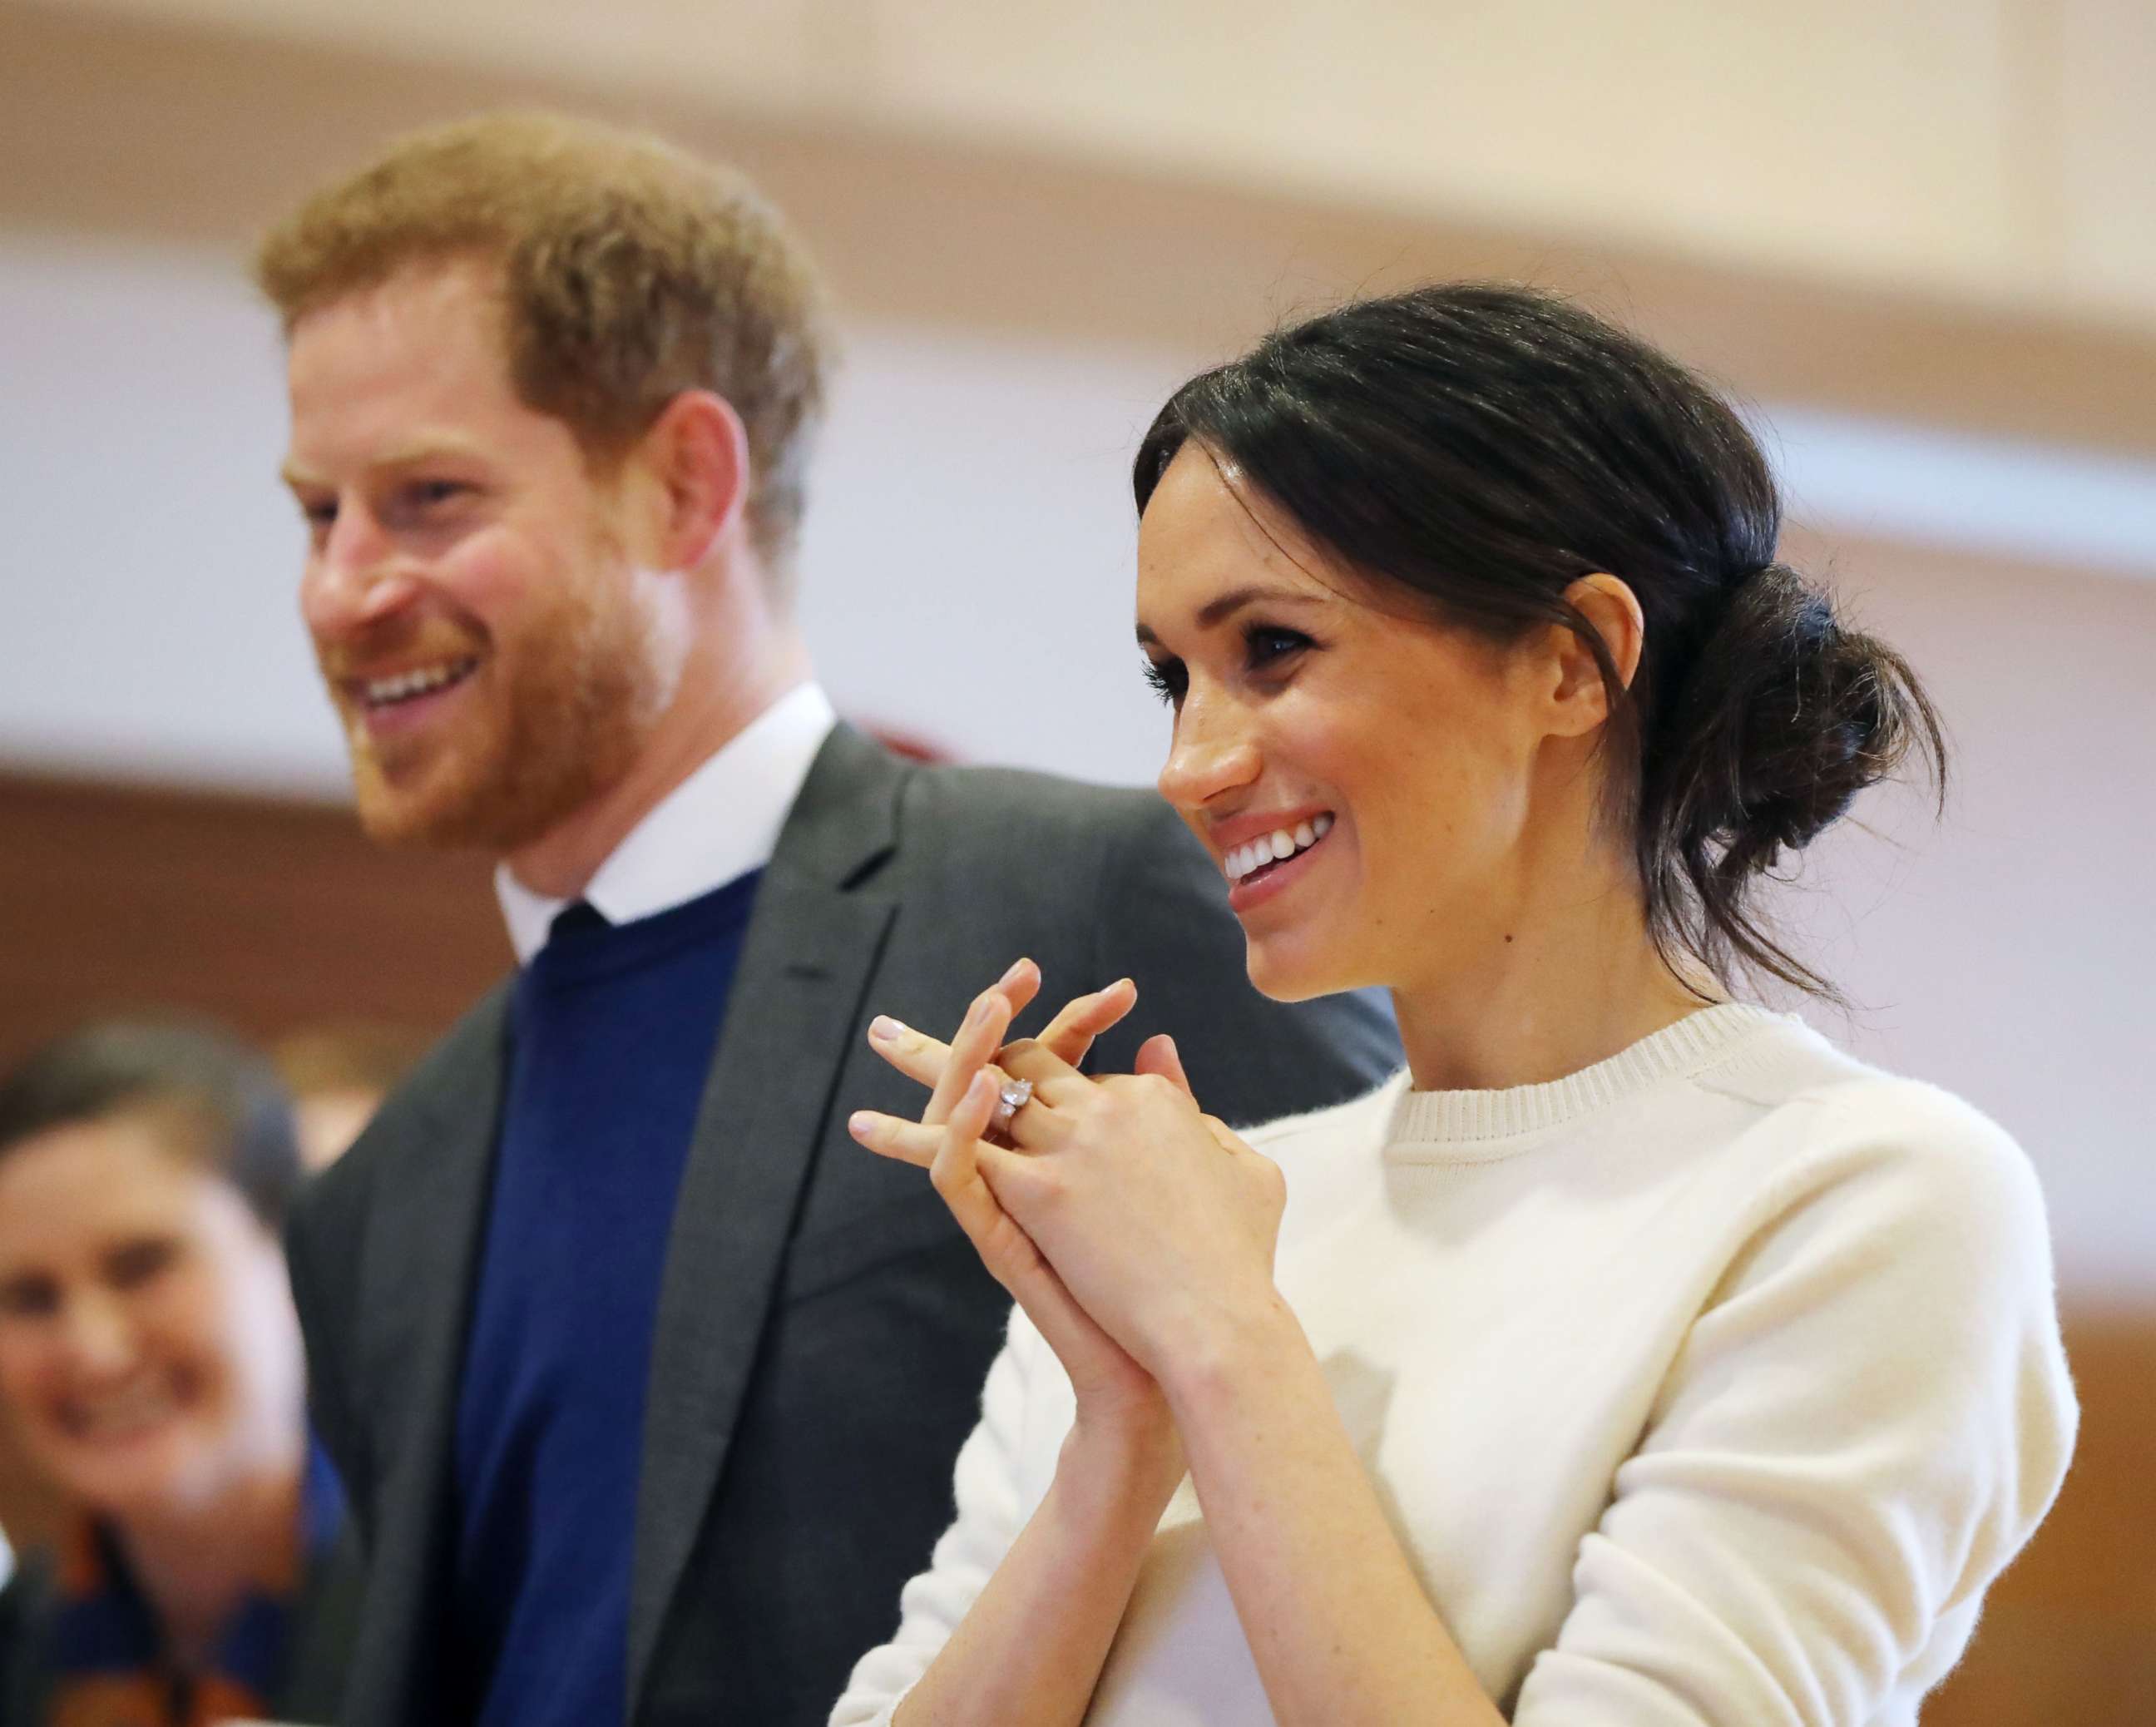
<point x="992" y="1509"/>
<point x="1862" y="1428"/>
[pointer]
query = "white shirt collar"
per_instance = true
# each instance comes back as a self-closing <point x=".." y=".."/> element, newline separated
<point x="721" y="822"/>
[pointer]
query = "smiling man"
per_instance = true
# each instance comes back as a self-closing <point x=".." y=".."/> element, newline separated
<point x="645" y="1381"/>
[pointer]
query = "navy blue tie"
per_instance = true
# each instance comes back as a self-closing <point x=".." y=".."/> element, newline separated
<point x="576" y="919"/>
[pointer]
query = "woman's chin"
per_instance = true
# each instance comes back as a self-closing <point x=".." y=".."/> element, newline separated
<point x="1286" y="969"/>
<point x="157" y="1475"/>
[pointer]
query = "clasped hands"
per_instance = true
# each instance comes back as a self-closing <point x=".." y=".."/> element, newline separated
<point x="1136" y="1231"/>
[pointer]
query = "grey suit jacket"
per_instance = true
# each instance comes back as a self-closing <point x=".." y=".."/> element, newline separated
<point x="823" y="1327"/>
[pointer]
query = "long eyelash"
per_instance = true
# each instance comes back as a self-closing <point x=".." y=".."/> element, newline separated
<point x="1167" y="679"/>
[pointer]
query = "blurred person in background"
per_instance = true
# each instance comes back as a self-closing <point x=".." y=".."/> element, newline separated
<point x="151" y="1365"/>
<point x="1634" y="1358"/>
<point x="338" y="1075"/>
<point x="646" y="1386"/>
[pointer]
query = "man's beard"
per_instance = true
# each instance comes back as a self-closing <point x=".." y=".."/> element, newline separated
<point x="582" y="697"/>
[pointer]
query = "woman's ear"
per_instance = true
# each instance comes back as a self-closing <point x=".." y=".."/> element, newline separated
<point x="1612" y="610"/>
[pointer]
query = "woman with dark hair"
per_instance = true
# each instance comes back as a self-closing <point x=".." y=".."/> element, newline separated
<point x="151" y="1363"/>
<point x="1634" y="1358"/>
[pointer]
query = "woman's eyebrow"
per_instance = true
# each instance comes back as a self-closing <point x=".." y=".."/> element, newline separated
<point x="1226" y="605"/>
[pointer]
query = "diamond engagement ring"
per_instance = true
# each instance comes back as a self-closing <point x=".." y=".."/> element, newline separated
<point x="1011" y="1096"/>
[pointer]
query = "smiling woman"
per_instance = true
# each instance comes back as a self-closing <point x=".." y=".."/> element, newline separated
<point x="150" y="1364"/>
<point x="1636" y="1357"/>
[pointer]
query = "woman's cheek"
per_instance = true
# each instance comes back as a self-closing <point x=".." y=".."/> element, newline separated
<point x="259" y="1334"/>
<point x="188" y="1314"/>
<point x="28" y="1362"/>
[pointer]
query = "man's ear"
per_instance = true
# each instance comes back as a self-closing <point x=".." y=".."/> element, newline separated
<point x="696" y="455"/>
<point x="1579" y="697"/>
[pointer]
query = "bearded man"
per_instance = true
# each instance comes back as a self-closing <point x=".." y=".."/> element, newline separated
<point x="646" y="1383"/>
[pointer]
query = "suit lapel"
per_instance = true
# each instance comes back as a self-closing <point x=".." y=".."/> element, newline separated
<point x="796" y="1001"/>
<point x="423" y="1250"/>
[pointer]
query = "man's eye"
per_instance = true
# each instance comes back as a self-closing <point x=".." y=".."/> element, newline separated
<point x="428" y="504"/>
<point x="1167" y="679"/>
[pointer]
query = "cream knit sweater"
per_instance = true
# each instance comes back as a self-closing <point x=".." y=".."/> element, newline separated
<point x="1712" y="1384"/>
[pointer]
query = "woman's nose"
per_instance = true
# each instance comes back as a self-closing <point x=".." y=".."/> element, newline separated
<point x="100" y="1340"/>
<point x="1209" y="756"/>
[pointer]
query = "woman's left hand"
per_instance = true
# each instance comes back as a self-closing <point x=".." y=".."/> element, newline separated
<point x="1160" y="1221"/>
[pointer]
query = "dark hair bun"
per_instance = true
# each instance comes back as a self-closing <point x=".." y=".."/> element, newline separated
<point x="1782" y="716"/>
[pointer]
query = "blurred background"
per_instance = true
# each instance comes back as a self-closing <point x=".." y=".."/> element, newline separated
<point x="1918" y="238"/>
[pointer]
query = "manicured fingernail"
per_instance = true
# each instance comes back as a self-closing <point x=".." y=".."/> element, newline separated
<point x="860" y="1125"/>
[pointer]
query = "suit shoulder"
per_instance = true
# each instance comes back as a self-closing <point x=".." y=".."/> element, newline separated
<point x="1009" y="812"/>
<point x="440" y="1085"/>
<point x="1025" y="795"/>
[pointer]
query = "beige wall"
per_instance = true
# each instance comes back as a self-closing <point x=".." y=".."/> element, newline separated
<point x="1982" y="149"/>
<point x="113" y="125"/>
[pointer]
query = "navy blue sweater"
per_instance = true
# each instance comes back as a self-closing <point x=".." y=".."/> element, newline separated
<point x="614" y="1031"/>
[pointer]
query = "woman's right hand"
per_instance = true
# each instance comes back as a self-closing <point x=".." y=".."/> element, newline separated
<point x="1121" y="1413"/>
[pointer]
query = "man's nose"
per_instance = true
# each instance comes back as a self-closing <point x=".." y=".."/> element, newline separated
<point x="354" y="578"/>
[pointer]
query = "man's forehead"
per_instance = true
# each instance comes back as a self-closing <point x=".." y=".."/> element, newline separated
<point x="400" y="371"/>
<point x="463" y="282"/>
<point x="407" y="329"/>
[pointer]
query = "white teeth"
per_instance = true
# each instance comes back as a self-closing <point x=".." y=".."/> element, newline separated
<point x="1280" y="844"/>
<point x="407" y="684"/>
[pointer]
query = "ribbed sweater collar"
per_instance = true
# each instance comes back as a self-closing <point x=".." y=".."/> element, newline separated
<point x="1468" y="1122"/>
